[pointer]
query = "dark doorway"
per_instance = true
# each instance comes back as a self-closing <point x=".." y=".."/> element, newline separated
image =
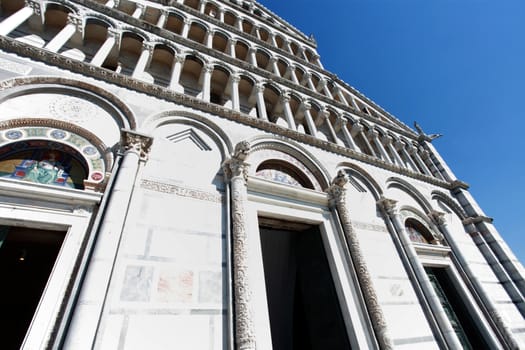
<point x="27" y="257"/>
<point x="459" y="316"/>
<point x="302" y="300"/>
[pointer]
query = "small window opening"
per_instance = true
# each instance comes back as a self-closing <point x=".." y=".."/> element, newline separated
<point x="459" y="316"/>
<point x="302" y="301"/>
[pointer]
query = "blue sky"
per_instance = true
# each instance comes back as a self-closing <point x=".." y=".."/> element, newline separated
<point x="455" y="66"/>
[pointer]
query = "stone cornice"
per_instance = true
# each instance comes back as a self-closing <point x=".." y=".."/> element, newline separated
<point x="109" y="76"/>
<point x="121" y="16"/>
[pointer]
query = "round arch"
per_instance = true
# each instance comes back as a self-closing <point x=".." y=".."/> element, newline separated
<point x="264" y="148"/>
<point x="364" y="177"/>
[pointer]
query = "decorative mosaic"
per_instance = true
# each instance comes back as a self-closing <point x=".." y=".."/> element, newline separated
<point x="278" y="176"/>
<point x="268" y="154"/>
<point x="71" y="109"/>
<point x="49" y="156"/>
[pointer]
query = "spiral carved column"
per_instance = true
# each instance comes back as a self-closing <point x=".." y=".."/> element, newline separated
<point x="236" y="171"/>
<point x="337" y="192"/>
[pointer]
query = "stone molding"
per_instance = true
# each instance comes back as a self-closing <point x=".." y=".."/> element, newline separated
<point x="337" y="194"/>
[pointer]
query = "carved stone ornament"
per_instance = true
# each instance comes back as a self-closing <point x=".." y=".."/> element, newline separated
<point x="132" y="141"/>
<point x="337" y="193"/>
<point x="388" y="206"/>
<point x="236" y="171"/>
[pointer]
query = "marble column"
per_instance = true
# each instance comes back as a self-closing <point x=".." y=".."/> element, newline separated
<point x="161" y="22"/>
<point x="439" y="220"/>
<point x="202" y="6"/>
<point x="338" y="201"/>
<point x="186" y="28"/>
<point x="143" y="61"/>
<point x="343" y="124"/>
<point x="325" y="116"/>
<point x="305" y="108"/>
<point x="261" y="106"/>
<point x="104" y="51"/>
<point x="139" y="10"/>
<point x="178" y="61"/>
<point x="230" y="50"/>
<point x="16" y="19"/>
<point x="396" y="159"/>
<point x="340" y="94"/>
<point x="391" y="213"/>
<point x="207" y="71"/>
<point x="290" y="72"/>
<point x="235" y="79"/>
<point x="209" y="38"/>
<point x="408" y="159"/>
<point x="288" y="114"/>
<point x="235" y="170"/>
<point x="412" y="151"/>
<point x="425" y="155"/>
<point x="73" y="22"/>
<point x="272" y="66"/>
<point x="374" y="134"/>
<point x="252" y="56"/>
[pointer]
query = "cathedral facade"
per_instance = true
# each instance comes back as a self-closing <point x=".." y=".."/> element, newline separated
<point x="185" y="174"/>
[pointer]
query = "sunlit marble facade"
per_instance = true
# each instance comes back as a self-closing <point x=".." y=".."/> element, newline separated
<point x="172" y="156"/>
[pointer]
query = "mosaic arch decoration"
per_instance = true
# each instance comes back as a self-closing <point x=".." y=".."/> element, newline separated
<point x="281" y="167"/>
<point x="417" y="228"/>
<point x="50" y="156"/>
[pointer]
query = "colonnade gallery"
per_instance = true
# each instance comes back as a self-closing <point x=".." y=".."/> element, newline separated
<point x="185" y="174"/>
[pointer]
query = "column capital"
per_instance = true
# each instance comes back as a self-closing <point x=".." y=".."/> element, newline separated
<point x="437" y="217"/>
<point x="398" y="144"/>
<point x="337" y="189"/>
<point x="341" y="122"/>
<point x="388" y="206"/>
<point x="235" y="78"/>
<point x="305" y="105"/>
<point x="236" y="165"/>
<point x="208" y="68"/>
<point x="373" y="132"/>
<point x="75" y="20"/>
<point x="387" y="139"/>
<point x="285" y="97"/>
<point x="148" y="46"/>
<point x="188" y="21"/>
<point x="357" y="127"/>
<point x="259" y="87"/>
<point x="324" y="113"/>
<point x="411" y="149"/>
<point x="35" y="5"/>
<point x="180" y="57"/>
<point x="114" y="33"/>
<point x="132" y="141"/>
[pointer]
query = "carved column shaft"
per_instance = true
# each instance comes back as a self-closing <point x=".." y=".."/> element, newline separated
<point x="337" y="193"/>
<point x="236" y="169"/>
